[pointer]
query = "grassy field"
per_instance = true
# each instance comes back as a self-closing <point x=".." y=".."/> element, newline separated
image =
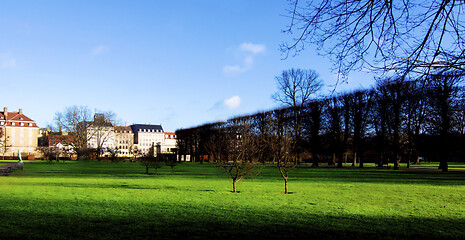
<point x="92" y="200"/>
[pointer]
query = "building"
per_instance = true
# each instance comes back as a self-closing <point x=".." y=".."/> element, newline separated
<point x="18" y="133"/>
<point x="124" y="141"/>
<point x="100" y="134"/>
<point x="148" y="136"/>
<point x="169" y="143"/>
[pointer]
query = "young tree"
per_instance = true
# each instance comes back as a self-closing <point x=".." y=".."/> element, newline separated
<point x="282" y="144"/>
<point x="409" y="36"/>
<point x="149" y="160"/>
<point x="234" y="147"/>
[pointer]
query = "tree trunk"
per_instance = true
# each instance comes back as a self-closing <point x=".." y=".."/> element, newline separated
<point x="285" y="186"/>
<point x="443" y="164"/>
<point x="418" y="159"/>
<point x="396" y="162"/>
<point x="355" y="160"/>
<point x="340" y="157"/>
<point x="234" y="186"/>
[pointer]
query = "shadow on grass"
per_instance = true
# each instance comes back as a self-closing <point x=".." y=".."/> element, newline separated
<point x="192" y="223"/>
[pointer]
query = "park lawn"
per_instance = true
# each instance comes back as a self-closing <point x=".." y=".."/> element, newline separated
<point x="9" y="161"/>
<point x="97" y="200"/>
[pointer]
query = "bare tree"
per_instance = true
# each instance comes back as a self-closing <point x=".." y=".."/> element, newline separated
<point x="296" y="86"/>
<point x="443" y="91"/>
<point x="295" y="90"/>
<point x="282" y="145"/>
<point x="3" y="142"/>
<point x="73" y="119"/>
<point x="404" y="35"/>
<point x="77" y="121"/>
<point x="50" y="153"/>
<point x="235" y="149"/>
<point x="101" y="133"/>
<point x="149" y="160"/>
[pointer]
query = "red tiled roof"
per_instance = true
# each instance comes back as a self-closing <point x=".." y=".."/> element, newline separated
<point x="170" y="135"/>
<point x="15" y="119"/>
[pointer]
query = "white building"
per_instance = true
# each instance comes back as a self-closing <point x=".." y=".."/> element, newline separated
<point x="169" y="143"/>
<point x="100" y="134"/>
<point x="124" y="141"/>
<point x="148" y="136"/>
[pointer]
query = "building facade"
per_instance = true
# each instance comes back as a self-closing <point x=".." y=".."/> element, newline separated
<point x="100" y="135"/>
<point x="18" y="133"/>
<point x="169" y="143"/>
<point x="148" y="137"/>
<point x="124" y="141"/>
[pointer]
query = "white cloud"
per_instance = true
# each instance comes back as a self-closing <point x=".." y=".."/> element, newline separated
<point x="233" y="102"/>
<point x="99" y="50"/>
<point x="248" y="51"/>
<point x="228" y="69"/>
<point x="253" y="48"/>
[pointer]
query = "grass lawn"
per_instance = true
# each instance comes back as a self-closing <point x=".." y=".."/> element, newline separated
<point x="92" y="200"/>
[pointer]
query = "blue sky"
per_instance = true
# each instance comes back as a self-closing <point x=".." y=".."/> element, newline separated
<point x="175" y="63"/>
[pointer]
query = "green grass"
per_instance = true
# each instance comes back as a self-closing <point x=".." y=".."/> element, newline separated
<point x="92" y="200"/>
<point x="9" y="161"/>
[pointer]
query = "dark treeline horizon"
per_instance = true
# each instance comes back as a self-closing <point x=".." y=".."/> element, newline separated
<point x="398" y="120"/>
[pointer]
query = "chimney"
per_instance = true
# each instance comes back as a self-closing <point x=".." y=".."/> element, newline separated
<point x="20" y="111"/>
<point x="5" y="112"/>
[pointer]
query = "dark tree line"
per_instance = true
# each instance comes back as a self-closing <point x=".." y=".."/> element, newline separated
<point x="400" y="120"/>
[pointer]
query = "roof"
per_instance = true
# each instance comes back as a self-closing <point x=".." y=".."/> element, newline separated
<point x="16" y="118"/>
<point x="123" y="129"/>
<point x="135" y="127"/>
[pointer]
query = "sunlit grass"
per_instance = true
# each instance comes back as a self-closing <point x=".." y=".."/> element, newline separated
<point x="114" y="201"/>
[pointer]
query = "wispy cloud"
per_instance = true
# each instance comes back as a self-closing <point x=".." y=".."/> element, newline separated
<point x="229" y="103"/>
<point x="232" y="102"/>
<point x="247" y="51"/>
<point x="228" y="69"/>
<point x="253" y="48"/>
<point x="99" y="50"/>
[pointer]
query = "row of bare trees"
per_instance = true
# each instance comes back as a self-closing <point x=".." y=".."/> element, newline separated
<point x="400" y="120"/>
